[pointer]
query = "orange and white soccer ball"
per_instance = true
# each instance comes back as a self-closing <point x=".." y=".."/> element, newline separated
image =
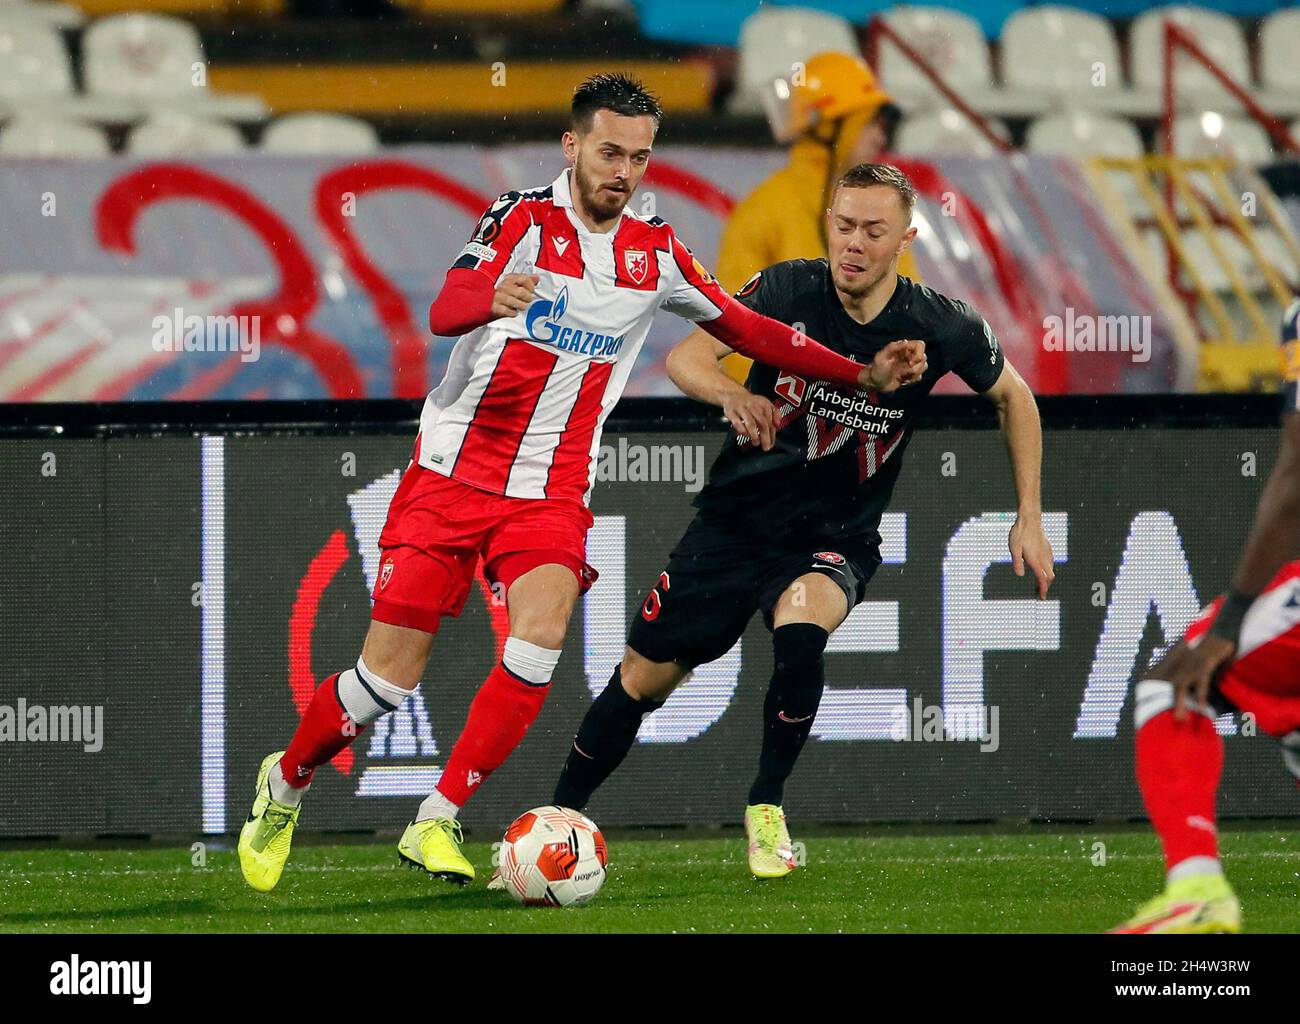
<point x="553" y="857"/>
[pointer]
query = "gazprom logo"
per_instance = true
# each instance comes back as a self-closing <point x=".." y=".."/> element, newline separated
<point x="544" y="317"/>
<point x="543" y="323"/>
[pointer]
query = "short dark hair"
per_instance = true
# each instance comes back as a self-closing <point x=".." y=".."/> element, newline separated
<point x="866" y="175"/>
<point x="620" y="93"/>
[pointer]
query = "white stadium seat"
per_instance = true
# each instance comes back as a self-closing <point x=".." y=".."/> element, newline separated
<point x="1219" y="35"/>
<point x="1070" y="53"/>
<point x="46" y="137"/>
<point x="946" y="131"/>
<point x="44" y="12"/>
<point x="1082" y="134"/>
<point x="1279" y="62"/>
<point x="34" y="64"/>
<point x="311" y="134"/>
<point x="155" y="61"/>
<point x="954" y="45"/>
<point x="1212" y="134"/>
<point x="773" y="39"/>
<point x="1279" y="50"/>
<point x="144" y="56"/>
<point x="169" y="134"/>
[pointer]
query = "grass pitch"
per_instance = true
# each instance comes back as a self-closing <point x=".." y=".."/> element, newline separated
<point x="1040" y="879"/>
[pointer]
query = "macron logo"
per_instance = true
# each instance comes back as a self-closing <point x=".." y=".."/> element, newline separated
<point x="102" y="978"/>
<point x="560" y="245"/>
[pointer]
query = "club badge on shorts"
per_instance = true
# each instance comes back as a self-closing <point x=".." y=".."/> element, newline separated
<point x="829" y="557"/>
<point x="385" y="574"/>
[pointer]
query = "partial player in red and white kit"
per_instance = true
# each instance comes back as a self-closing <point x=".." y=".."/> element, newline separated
<point x="552" y="298"/>
<point x="1241" y="654"/>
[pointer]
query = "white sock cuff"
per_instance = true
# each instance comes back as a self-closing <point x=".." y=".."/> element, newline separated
<point x="366" y="696"/>
<point x="529" y="662"/>
<point x="1152" y="696"/>
<point x="394" y="693"/>
<point x="1192" y="866"/>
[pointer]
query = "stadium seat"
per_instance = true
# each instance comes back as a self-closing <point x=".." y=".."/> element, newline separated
<point x="311" y="134"/>
<point x="44" y="12"/>
<point x="773" y="39"/>
<point x="36" y="74"/>
<point x="951" y="42"/>
<point x="1060" y="50"/>
<point x="1279" y="62"/>
<point x="954" y="46"/>
<point x="945" y="131"/>
<point x="1082" y="134"/>
<point x="1213" y="134"/>
<point x="154" y="61"/>
<point x="34" y="64"/>
<point x="170" y="133"/>
<point x="47" y="137"/>
<point x="1217" y="34"/>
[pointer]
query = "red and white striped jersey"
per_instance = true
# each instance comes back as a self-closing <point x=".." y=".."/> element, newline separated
<point x="520" y="409"/>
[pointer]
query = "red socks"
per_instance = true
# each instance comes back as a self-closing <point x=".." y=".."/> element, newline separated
<point x="500" y="714"/>
<point x="325" y="729"/>
<point x="1178" y="769"/>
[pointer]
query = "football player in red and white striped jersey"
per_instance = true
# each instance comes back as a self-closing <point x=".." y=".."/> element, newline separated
<point x="552" y="299"/>
<point x="1241" y="654"/>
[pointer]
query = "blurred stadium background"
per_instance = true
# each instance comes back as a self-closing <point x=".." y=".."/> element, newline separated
<point x="1111" y="158"/>
<point x="315" y="166"/>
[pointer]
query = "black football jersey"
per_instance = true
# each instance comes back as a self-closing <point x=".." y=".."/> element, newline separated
<point x="837" y="453"/>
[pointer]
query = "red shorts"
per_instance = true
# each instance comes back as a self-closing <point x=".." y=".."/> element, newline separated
<point x="438" y="529"/>
<point x="1264" y="677"/>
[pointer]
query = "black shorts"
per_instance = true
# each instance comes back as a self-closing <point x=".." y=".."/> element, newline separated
<point x="717" y="579"/>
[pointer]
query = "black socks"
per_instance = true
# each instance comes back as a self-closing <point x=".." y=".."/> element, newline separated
<point x="790" y="706"/>
<point x="604" y="738"/>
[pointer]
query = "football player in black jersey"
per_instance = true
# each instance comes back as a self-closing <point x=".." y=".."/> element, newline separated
<point x="787" y="524"/>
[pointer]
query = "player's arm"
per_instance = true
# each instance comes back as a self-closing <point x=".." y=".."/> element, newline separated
<point x="1023" y="432"/>
<point x="1273" y="541"/>
<point x="695" y="295"/>
<point x="476" y="291"/>
<point x="1275" y="536"/>
<point x="694" y="365"/>
<point x="468" y="300"/>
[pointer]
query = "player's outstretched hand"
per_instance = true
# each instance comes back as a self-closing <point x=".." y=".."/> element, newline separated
<point x="1029" y="546"/>
<point x="1191" y="670"/>
<point x="751" y="415"/>
<point x="898" y="363"/>
<point x="513" y="295"/>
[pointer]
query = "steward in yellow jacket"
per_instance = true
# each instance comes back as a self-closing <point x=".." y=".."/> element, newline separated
<point x="838" y="116"/>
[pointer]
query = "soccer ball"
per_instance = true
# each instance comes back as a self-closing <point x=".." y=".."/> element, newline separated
<point x="553" y="857"/>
